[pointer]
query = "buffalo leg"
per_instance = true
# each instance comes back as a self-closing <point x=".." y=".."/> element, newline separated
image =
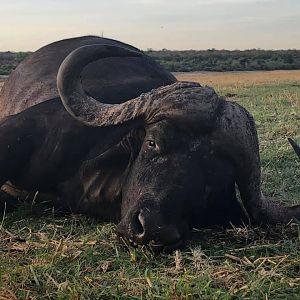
<point x="15" y="146"/>
<point x="14" y="151"/>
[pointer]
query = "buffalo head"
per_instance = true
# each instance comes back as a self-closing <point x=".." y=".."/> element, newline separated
<point x="181" y="157"/>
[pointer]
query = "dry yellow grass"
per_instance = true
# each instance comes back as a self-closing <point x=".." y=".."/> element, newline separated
<point x="239" y="79"/>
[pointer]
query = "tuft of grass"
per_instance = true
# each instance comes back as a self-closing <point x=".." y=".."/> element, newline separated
<point x="45" y="255"/>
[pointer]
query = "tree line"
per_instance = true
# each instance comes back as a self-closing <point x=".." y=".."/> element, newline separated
<point x="225" y="60"/>
<point x="202" y="60"/>
<point x="9" y="61"/>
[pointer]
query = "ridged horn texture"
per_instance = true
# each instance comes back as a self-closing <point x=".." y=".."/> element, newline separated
<point x="295" y="147"/>
<point x="183" y="100"/>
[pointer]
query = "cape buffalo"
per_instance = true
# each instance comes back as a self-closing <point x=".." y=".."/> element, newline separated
<point x="158" y="164"/>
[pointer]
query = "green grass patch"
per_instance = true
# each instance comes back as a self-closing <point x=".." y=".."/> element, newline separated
<point x="51" y="256"/>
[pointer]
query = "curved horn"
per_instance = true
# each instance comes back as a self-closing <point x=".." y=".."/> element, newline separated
<point x="182" y="99"/>
<point x="295" y="147"/>
<point x="81" y="106"/>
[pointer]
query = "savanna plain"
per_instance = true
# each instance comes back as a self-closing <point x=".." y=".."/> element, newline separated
<point x="45" y="255"/>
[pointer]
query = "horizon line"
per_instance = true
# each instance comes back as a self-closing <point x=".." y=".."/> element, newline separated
<point x="182" y="50"/>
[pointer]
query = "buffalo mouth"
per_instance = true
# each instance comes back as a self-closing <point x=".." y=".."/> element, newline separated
<point x="167" y="239"/>
<point x="175" y="245"/>
<point x="156" y="246"/>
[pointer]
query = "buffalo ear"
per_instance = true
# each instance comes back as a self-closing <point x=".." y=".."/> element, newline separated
<point x="102" y="177"/>
<point x="125" y="150"/>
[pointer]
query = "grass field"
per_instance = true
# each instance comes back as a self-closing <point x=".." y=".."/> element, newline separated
<point x="50" y="256"/>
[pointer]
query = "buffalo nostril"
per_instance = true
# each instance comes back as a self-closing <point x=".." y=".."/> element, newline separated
<point x="138" y="224"/>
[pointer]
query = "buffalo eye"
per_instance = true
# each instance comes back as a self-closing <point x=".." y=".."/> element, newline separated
<point x="151" y="144"/>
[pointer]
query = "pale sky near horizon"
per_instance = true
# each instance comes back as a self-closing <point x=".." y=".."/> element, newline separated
<point x="191" y="24"/>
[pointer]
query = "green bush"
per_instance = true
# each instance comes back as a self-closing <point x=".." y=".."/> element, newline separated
<point x="9" y="61"/>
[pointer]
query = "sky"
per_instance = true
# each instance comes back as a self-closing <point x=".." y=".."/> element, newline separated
<point x="188" y="24"/>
